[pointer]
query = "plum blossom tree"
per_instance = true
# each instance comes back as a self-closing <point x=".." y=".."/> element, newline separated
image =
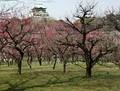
<point x="88" y="37"/>
<point x="18" y="34"/>
<point x="53" y="33"/>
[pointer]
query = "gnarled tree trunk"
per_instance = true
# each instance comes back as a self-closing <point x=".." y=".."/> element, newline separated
<point x="55" y="58"/>
<point x="40" y="60"/>
<point x="88" y="70"/>
<point x="29" y="60"/>
<point x="19" y="61"/>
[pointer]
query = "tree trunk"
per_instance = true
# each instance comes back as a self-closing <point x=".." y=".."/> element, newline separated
<point x="8" y="62"/>
<point x="29" y="64"/>
<point x="88" y="71"/>
<point x="29" y="60"/>
<point x="55" y="62"/>
<point x="40" y="60"/>
<point x="19" y="63"/>
<point x="64" y="65"/>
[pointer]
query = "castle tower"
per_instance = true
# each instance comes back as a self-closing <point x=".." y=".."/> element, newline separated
<point x="39" y="12"/>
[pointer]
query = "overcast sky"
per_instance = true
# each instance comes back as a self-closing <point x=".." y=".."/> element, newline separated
<point x="62" y="8"/>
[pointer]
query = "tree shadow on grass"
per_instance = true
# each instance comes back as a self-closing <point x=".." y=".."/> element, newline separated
<point x="55" y="80"/>
<point x="14" y="87"/>
<point x="107" y="76"/>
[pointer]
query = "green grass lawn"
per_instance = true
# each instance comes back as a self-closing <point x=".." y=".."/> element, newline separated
<point x="44" y="78"/>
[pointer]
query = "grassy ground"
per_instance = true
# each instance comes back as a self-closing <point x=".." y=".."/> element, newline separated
<point x="44" y="78"/>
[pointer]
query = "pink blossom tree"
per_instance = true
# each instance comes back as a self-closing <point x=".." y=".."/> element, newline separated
<point x="87" y="35"/>
<point x="18" y="35"/>
<point x="52" y="34"/>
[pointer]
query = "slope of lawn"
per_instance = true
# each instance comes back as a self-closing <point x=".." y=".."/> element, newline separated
<point x="44" y="78"/>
